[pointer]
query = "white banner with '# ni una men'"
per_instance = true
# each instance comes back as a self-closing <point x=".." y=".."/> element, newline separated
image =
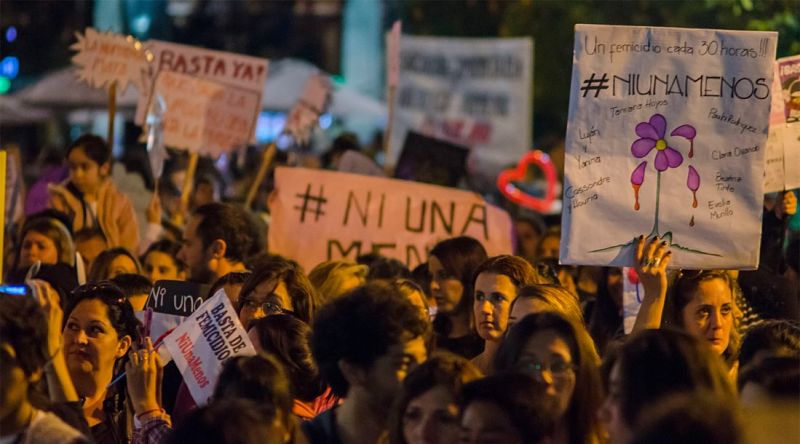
<point x="323" y="215"/>
<point x="204" y="341"/>
<point x="472" y="92"/>
<point x="666" y="136"/>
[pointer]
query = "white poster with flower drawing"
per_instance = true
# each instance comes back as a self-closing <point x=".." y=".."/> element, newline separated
<point x="666" y="137"/>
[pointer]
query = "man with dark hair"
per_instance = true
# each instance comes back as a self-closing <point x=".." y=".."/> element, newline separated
<point x="216" y="241"/>
<point x="364" y="343"/>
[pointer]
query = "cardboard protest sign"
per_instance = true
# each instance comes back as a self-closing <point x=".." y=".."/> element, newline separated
<point x="242" y="72"/>
<point x="666" y="136"/>
<point x="433" y="161"/>
<point x="172" y="302"/>
<point x="789" y="71"/>
<point x="203" y="116"/>
<point x="303" y="117"/>
<point x="105" y="57"/>
<point x="201" y="345"/>
<point x="322" y="215"/>
<point x="472" y="92"/>
<point x="774" y="179"/>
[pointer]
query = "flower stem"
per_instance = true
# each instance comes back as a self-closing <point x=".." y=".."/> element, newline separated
<point x="658" y="198"/>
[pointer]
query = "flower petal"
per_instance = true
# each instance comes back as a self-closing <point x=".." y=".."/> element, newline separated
<point x="685" y="131"/>
<point x="693" y="181"/>
<point x="642" y="147"/>
<point x="661" y="162"/>
<point x="674" y="158"/>
<point x="645" y="130"/>
<point x="659" y="123"/>
<point x="637" y="177"/>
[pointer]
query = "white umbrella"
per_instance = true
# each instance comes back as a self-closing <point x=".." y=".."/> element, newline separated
<point x="61" y="89"/>
<point x="13" y="112"/>
<point x="287" y="78"/>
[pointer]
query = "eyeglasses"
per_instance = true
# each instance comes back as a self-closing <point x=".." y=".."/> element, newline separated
<point x="268" y="308"/>
<point x="557" y="369"/>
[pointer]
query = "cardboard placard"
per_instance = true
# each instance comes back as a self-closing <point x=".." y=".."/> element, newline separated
<point x="322" y="215"/>
<point x="201" y="345"/>
<point x="205" y="117"/>
<point x="105" y="57"/>
<point x="666" y="136"/>
<point x="472" y="92"/>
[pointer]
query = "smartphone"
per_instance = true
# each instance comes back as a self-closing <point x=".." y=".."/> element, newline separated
<point x="15" y="290"/>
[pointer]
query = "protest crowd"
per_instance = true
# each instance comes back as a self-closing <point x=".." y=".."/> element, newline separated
<point x="463" y="346"/>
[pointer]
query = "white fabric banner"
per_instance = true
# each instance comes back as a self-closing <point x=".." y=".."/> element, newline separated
<point x="324" y="215"/>
<point x="471" y="92"/>
<point x="204" y="341"/>
<point x="666" y="136"/>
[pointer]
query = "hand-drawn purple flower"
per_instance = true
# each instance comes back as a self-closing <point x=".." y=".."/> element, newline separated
<point x="687" y="132"/>
<point x="652" y="136"/>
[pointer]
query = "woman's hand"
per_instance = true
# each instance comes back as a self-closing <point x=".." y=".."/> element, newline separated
<point x="652" y="259"/>
<point x="153" y="210"/>
<point x="142" y="375"/>
<point x="50" y="301"/>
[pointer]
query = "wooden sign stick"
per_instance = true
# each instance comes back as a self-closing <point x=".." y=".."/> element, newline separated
<point x="112" y="112"/>
<point x="266" y="161"/>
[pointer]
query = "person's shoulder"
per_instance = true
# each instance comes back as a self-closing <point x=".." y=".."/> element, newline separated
<point x="322" y="429"/>
<point x="49" y="428"/>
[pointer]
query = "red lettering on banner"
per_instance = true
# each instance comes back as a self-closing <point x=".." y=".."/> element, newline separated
<point x="194" y="363"/>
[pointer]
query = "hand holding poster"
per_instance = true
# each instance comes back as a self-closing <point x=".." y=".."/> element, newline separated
<point x="203" y="116"/>
<point x="201" y="344"/>
<point x="106" y="57"/>
<point x="666" y="137"/>
<point x="306" y="111"/>
<point x="321" y="215"/>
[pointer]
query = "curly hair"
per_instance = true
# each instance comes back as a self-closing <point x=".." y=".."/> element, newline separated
<point x="360" y="327"/>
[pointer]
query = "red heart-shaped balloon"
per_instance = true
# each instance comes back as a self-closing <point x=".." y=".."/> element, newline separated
<point x="514" y="194"/>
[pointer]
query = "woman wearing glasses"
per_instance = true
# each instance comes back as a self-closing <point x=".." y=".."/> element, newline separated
<point x="99" y="328"/>
<point x="560" y="354"/>
<point x="277" y="285"/>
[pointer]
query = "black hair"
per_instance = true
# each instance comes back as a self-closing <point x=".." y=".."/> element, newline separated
<point x="229" y="223"/>
<point x="168" y="247"/>
<point x="228" y="421"/>
<point x="770" y="337"/>
<point x="520" y="398"/>
<point x="778" y="376"/>
<point x="690" y="418"/>
<point x="259" y="378"/>
<point x="232" y="278"/>
<point x="288" y="339"/>
<point x="24" y="327"/>
<point x="133" y="284"/>
<point x="387" y="268"/>
<point x="359" y="328"/>
<point x="95" y="148"/>
<point x="460" y="257"/>
<point x="120" y="311"/>
<point x="85" y="234"/>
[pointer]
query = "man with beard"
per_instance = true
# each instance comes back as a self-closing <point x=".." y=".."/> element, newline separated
<point x="365" y="343"/>
<point x="216" y="240"/>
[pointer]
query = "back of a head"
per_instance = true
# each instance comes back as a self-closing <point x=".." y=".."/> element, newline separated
<point x="690" y="418"/>
<point x="133" y="284"/>
<point x="259" y="378"/>
<point x="771" y="378"/>
<point x="387" y="268"/>
<point x="333" y="278"/>
<point x="655" y="364"/>
<point x="229" y="223"/>
<point x="230" y="421"/>
<point x="556" y="297"/>
<point x="769" y="338"/>
<point x="360" y="327"/>
<point x="520" y="398"/>
<point x="289" y="340"/>
<point x="24" y="327"/>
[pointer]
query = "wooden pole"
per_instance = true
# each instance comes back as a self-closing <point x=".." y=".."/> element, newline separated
<point x="112" y="112"/>
<point x="387" y="136"/>
<point x="3" y="172"/>
<point x="266" y="161"/>
<point x="188" y="184"/>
